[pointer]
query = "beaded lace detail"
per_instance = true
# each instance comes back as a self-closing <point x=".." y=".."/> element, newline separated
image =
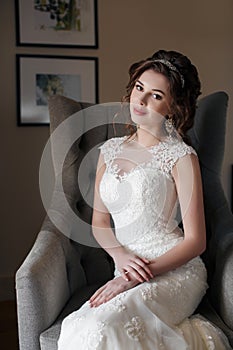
<point x="92" y="339"/>
<point x="165" y="155"/>
<point x="135" y="328"/>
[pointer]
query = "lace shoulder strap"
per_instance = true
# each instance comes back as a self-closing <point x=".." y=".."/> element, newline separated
<point x="178" y="150"/>
<point x="110" y="148"/>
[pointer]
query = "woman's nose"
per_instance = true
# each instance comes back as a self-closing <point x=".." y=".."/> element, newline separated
<point x="143" y="99"/>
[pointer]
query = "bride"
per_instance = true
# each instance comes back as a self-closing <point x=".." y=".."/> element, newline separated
<point x="142" y="180"/>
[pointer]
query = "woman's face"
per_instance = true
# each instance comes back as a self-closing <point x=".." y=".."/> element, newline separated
<point x="150" y="99"/>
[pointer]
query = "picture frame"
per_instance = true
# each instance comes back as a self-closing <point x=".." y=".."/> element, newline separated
<point x="64" y="23"/>
<point x="40" y="76"/>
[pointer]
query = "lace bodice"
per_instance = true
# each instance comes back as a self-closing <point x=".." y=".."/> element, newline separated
<point x="142" y="198"/>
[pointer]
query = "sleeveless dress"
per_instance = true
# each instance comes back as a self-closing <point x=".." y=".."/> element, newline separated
<point x="142" y="199"/>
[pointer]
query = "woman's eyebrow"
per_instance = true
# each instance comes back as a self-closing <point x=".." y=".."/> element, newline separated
<point x="158" y="90"/>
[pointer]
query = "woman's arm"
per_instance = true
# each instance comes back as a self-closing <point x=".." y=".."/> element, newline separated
<point x="187" y="177"/>
<point x="101" y="227"/>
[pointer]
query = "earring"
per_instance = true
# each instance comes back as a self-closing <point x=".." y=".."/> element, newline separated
<point x="169" y="126"/>
<point x="136" y="133"/>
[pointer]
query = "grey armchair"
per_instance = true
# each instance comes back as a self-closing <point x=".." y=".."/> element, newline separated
<point x="59" y="274"/>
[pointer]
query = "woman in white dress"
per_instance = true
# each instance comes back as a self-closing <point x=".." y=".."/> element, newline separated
<point x="141" y="178"/>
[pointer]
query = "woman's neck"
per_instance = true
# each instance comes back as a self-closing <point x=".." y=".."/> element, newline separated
<point x="148" y="138"/>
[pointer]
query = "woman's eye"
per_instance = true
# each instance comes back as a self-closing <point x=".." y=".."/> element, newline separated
<point x="157" y="96"/>
<point x="138" y="87"/>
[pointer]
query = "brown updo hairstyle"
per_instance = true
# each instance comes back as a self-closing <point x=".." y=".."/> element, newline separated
<point x="184" y="98"/>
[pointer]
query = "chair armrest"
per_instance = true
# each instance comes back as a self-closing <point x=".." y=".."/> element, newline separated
<point x="222" y="284"/>
<point x="42" y="287"/>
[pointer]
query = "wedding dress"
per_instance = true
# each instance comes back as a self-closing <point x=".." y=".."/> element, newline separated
<point x="139" y="191"/>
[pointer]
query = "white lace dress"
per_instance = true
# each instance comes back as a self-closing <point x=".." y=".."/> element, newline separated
<point x="153" y="315"/>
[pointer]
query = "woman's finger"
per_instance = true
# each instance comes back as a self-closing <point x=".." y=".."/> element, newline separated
<point x="135" y="273"/>
<point x="144" y="267"/>
<point x="99" y="300"/>
<point x="95" y="301"/>
<point x="140" y="270"/>
<point x="103" y="298"/>
<point x="124" y="274"/>
<point x="145" y="260"/>
<point x="98" y="292"/>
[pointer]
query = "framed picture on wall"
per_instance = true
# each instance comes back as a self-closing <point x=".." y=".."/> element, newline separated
<point x="66" y="23"/>
<point x="40" y="76"/>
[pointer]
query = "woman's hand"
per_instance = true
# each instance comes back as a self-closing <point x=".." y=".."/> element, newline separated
<point x="129" y="263"/>
<point x="110" y="290"/>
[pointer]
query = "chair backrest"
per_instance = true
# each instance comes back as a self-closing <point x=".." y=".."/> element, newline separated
<point x="208" y="138"/>
<point x="89" y="127"/>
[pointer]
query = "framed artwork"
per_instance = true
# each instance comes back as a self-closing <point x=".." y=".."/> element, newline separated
<point x="40" y="76"/>
<point x="58" y="23"/>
